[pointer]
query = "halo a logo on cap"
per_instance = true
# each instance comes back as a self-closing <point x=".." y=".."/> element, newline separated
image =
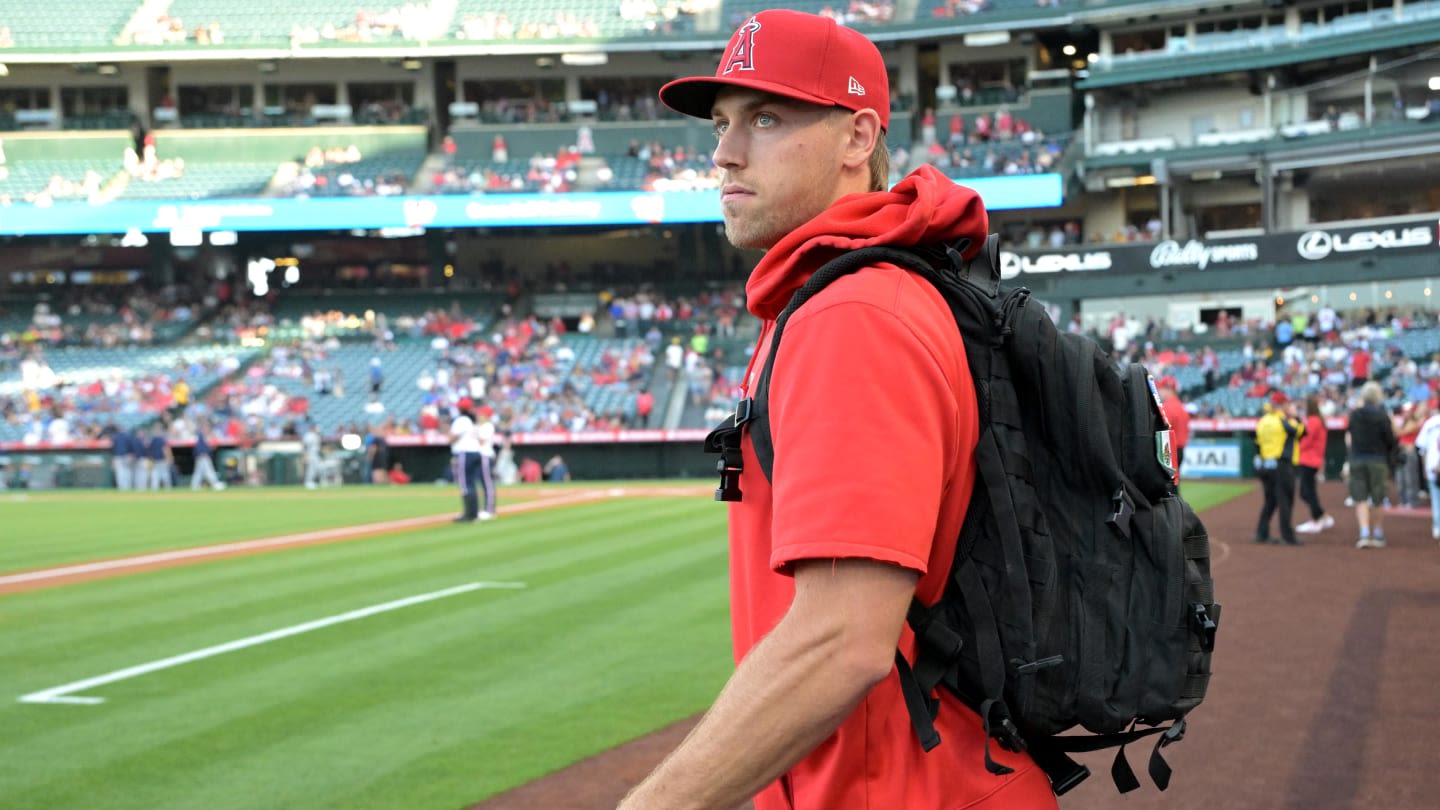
<point x="742" y="54"/>
<point x="856" y="88"/>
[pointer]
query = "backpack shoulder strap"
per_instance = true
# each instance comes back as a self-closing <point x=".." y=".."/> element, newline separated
<point x="757" y="407"/>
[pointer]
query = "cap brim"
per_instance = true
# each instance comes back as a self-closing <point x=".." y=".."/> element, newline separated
<point x="696" y="96"/>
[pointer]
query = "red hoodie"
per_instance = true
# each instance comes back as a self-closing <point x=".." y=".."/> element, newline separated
<point x="873" y="416"/>
<point x="1312" y="443"/>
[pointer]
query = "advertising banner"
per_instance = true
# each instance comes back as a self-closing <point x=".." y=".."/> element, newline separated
<point x="189" y="220"/>
<point x="1200" y="255"/>
<point x="1206" y="458"/>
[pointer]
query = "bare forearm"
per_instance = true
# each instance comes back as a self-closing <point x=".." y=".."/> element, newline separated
<point x="792" y="690"/>
<point x="788" y="695"/>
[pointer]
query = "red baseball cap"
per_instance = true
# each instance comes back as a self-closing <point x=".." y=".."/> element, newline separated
<point x="1278" y="397"/>
<point x="796" y="55"/>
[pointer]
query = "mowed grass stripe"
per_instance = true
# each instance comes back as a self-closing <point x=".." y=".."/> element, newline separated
<point x="174" y="610"/>
<point x="45" y="532"/>
<point x="258" y="694"/>
<point x="486" y="728"/>
<point x="1202" y="495"/>
<point x="278" y="588"/>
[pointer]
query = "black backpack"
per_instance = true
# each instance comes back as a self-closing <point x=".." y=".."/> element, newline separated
<point x="1080" y="596"/>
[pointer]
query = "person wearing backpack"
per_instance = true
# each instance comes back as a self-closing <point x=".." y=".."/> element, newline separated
<point x="873" y="415"/>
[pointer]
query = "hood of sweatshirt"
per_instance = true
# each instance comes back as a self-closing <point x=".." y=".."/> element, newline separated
<point x="925" y="208"/>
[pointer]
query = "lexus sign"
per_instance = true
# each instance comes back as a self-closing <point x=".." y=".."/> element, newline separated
<point x="1013" y="264"/>
<point x="1317" y="245"/>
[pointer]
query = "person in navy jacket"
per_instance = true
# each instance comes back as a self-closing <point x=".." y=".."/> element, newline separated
<point x="158" y="448"/>
<point x="122" y="458"/>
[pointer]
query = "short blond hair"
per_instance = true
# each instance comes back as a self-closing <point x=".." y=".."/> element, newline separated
<point x="1371" y="393"/>
<point x="880" y="165"/>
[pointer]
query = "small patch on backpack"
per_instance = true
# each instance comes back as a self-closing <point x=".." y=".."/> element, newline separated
<point x="1155" y="395"/>
<point x="1165" y="451"/>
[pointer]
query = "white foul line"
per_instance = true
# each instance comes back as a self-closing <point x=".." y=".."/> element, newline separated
<point x="61" y="694"/>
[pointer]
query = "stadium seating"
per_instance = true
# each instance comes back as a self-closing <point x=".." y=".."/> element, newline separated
<point x="556" y="19"/>
<point x="84" y="370"/>
<point x="202" y="180"/>
<point x="230" y="163"/>
<point x="270" y="22"/>
<point x="591" y="354"/>
<point x="1417" y="344"/>
<point x="50" y="24"/>
<point x="60" y="178"/>
<point x="391" y="173"/>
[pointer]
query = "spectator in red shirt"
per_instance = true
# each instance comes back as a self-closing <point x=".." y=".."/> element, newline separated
<point x="644" y="403"/>
<point x="1312" y="460"/>
<point x="1359" y="365"/>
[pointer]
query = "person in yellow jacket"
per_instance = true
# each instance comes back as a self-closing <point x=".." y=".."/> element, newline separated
<point x="1277" y="439"/>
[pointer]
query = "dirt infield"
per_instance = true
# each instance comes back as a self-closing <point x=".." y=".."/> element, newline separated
<point x="1324" y="696"/>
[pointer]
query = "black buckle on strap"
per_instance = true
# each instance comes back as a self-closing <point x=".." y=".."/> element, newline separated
<point x="725" y="440"/>
<point x="1203" y="626"/>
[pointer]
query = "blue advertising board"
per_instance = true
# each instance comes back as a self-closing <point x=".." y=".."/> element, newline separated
<point x="433" y="211"/>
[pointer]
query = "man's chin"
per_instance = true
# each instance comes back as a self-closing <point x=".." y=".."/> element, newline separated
<point x="748" y="238"/>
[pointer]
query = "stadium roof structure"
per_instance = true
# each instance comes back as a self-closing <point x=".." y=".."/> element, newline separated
<point x="708" y="31"/>
<point x="1172" y="67"/>
<point x="1381" y="142"/>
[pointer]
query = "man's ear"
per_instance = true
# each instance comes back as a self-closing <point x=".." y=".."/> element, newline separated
<point x="864" y="134"/>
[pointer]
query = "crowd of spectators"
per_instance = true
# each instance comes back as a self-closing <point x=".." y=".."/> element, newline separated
<point x="411" y="21"/>
<point x="51" y="408"/>
<point x="859" y="12"/>
<point x="167" y="29"/>
<point x="673" y="168"/>
<point x="667" y="18"/>
<point x="342" y="171"/>
<point x="525" y="370"/>
<point x="636" y="16"/>
<point x="1327" y="353"/>
<point x="959" y="8"/>
<point x="59" y="187"/>
<point x="996" y="146"/>
<point x="108" y="318"/>
<point x="148" y="167"/>
<point x="493" y="25"/>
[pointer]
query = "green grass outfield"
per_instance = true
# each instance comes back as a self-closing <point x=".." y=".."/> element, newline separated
<point x="421" y="669"/>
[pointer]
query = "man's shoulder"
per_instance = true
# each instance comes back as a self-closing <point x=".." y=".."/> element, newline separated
<point x="882" y="288"/>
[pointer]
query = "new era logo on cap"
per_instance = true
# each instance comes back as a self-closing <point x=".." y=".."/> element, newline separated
<point x="856" y="88"/>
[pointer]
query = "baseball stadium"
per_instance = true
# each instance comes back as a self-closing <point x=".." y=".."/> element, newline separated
<point x="256" y="259"/>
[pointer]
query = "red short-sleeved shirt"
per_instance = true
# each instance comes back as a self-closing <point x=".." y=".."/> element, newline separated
<point x="873" y="417"/>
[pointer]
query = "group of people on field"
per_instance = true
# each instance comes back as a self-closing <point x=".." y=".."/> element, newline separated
<point x="1381" y="448"/>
